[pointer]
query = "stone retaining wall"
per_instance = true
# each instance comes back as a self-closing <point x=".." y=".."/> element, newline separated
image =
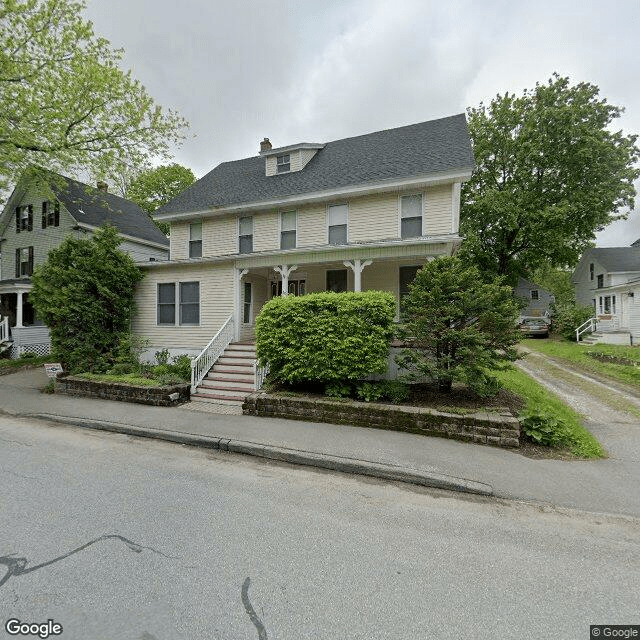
<point x="157" y="396"/>
<point x="499" y="429"/>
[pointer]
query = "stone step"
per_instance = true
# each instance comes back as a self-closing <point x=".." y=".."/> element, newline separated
<point x="212" y="384"/>
<point x="230" y="396"/>
<point x="201" y="397"/>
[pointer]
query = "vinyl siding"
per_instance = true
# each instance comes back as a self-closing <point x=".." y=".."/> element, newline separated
<point x="312" y="225"/>
<point x="587" y="289"/>
<point x="306" y="155"/>
<point x="373" y="218"/>
<point x="438" y="211"/>
<point x="220" y="236"/>
<point x="142" y="252"/>
<point x="216" y="305"/>
<point x="265" y="231"/>
<point x="179" y="240"/>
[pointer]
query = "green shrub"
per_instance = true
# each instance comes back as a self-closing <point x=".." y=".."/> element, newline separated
<point x="370" y="391"/>
<point x="29" y="355"/>
<point x="169" y="379"/>
<point x="122" y="368"/>
<point x="325" y="337"/>
<point x="182" y="366"/>
<point x="544" y="428"/>
<point x="338" y="390"/>
<point x="49" y="387"/>
<point x="162" y="357"/>
<point x="395" y="390"/>
<point x="162" y="370"/>
<point x="567" y="318"/>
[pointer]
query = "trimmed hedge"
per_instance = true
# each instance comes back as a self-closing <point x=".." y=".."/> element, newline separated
<point x="325" y="337"/>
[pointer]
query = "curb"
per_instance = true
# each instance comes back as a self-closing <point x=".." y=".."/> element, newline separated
<point x="282" y="454"/>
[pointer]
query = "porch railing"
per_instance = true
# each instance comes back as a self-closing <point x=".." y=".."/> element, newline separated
<point x="589" y="325"/>
<point x="201" y="364"/>
<point x="4" y="329"/>
<point x="260" y="374"/>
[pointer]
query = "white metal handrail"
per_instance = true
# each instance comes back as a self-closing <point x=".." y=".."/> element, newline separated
<point x="4" y="329"/>
<point x="201" y="364"/>
<point x="588" y="325"/>
<point x="260" y="374"/>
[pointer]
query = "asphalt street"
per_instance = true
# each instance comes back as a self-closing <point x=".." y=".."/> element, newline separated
<point x="116" y="537"/>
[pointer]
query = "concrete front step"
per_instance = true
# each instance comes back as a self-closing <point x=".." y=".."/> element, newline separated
<point x="201" y="397"/>
<point x="240" y="362"/>
<point x="223" y="387"/>
<point x="233" y="378"/>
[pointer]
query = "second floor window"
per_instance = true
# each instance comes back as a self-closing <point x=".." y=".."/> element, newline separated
<point x="195" y="240"/>
<point x="600" y="281"/>
<point x="283" y="163"/>
<point x="337" y="221"/>
<point x="24" y="262"/>
<point x="245" y="235"/>
<point x="591" y="270"/>
<point x="24" y="218"/>
<point x="288" y="230"/>
<point x="411" y="216"/>
<point x="50" y="214"/>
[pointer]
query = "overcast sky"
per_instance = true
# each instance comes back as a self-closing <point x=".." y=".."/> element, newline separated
<point x="321" y="70"/>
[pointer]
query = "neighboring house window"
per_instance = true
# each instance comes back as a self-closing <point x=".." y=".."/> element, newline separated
<point x="195" y="240"/>
<point x="246" y="311"/>
<point x="337" y="220"/>
<point x="591" y="270"/>
<point x="337" y="280"/>
<point x="534" y="294"/>
<point x="186" y="302"/>
<point x="600" y="281"/>
<point x="283" y="163"/>
<point x="189" y="303"/>
<point x="406" y="277"/>
<point x="609" y="304"/>
<point x="245" y="235"/>
<point x="411" y="216"/>
<point x="24" y="262"/>
<point x="50" y="214"/>
<point x="24" y="218"/>
<point x="288" y="223"/>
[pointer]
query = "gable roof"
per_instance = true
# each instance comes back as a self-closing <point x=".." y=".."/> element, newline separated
<point x="432" y="147"/>
<point x="615" y="259"/>
<point x="636" y="243"/>
<point x="90" y="206"/>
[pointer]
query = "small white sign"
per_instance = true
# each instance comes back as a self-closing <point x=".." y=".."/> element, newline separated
<point x="53" y="369"/>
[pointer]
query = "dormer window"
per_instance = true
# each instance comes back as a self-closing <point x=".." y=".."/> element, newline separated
<point x="283" y="163"/>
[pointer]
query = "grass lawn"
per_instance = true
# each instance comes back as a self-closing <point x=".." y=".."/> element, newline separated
<point x="625" y="369"/>
<point x="128" y="378"/>
<point x="7" y="366"/>
<point x="538" y="398"/>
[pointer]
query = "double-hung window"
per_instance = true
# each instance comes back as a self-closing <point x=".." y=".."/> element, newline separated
<point x="283" y="163"/>
<point x="337" y="217"/>
<point x="411" y="216"/>
<point x="183" y="299"/>
<point x="288" y="229"/>
<point x="245" y="235"/>
<point x="195" y="240"/>
<point x="591" y="270"/>
<point x="24" y="218"/>
<point x="600" y="281"/>
<point x="24" y="262"/>
<point x="50" y="214"/>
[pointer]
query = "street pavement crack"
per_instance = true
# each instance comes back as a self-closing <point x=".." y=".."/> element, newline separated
<point x="257" y="623"/>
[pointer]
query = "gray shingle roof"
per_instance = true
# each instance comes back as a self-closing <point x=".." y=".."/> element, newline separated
<point x="616" y="259"/>
<point x="406" y="152"/>
<point x="91" y="206"/>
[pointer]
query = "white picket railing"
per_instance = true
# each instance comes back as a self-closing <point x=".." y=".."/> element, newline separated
<point x="201" y="364"/>
<point x="589" y="325"/>
<point x="260" y="374"/>
<point x="4" y="329"/>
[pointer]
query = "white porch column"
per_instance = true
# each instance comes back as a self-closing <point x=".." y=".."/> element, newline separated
<point x="284" y="272"/>
<point x="238" y="314"/>
<point x="357" y="266"/>
<point x="19" y="310"/>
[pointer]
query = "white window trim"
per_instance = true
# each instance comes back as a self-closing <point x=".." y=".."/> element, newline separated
<point x="279" y="237"/>
<point x="201" y="223"/>
<point x="253" y="232"/>
<point x="403" y="195"/>
<point x="336" y="204"/>
<point x="176" y="316"/>
<point x="278" y="164"/>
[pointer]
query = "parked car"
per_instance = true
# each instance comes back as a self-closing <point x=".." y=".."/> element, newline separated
<point x="535" y="327"/>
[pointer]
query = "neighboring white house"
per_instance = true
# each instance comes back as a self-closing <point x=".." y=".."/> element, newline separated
<point x="42" y="210"/>
<point x="538" y="300"/>
<point x="608" y="279"/>
<point x="355" y="214"/>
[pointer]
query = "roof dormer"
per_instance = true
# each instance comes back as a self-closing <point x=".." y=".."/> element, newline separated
<point x="295" y="157"/>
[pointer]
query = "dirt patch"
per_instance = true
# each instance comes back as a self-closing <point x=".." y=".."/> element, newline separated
<point x="603" y="357"/>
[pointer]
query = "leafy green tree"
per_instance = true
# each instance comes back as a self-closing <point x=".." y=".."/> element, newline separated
<point x="550" y="172"/>
<point x="558" y="282"/>
<point x="84" y="294"/>
<point x="65" y="104"/>
<point x="154" y="187"/>
<point x="458" y="326"/>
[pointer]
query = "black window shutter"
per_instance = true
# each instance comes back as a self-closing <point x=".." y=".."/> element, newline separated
<point x="44" y="215"/>
<point x="17" y="263"/>
<point x="56" y="222"/>
<point x="17" y="219"/>
<point x="30" y="268"/>
<point x="30" y="223"/>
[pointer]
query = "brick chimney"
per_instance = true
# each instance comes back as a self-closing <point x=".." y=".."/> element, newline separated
<point x="102" y="186"/>
<point x="265" y="145"/>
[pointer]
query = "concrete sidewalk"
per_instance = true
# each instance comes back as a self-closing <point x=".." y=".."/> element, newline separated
<point x="605" y="486"/>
